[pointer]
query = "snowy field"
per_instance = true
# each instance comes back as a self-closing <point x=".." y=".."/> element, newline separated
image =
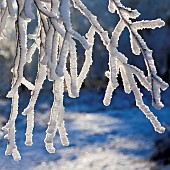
<point x="118" y="137"/>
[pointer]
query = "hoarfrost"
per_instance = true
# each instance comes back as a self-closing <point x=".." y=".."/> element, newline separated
<point x="55" y="41"/>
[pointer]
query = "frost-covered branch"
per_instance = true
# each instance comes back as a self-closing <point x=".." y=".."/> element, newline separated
<point x="55" y="40"/>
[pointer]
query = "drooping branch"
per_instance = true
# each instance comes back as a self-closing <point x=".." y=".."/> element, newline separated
<point x="117" y="59"/>
<point x="55" y="40"/>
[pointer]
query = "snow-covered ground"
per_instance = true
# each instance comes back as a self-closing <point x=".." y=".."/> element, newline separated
<point x="118" y="137"/>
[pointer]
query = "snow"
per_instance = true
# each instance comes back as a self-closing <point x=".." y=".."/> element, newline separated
<point x="114" y="137"/>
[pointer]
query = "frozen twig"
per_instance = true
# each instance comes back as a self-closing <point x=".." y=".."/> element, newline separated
<point x="55" y="41"/>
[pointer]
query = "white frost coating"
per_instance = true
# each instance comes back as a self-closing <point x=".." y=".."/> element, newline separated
<point x="27" y="12"/>
<point x="53" y="60"/>
<point x="10" y="128"/>
<point x="156" y="100"/>
<point x="80" y="38"/>
<point x="116" y="34"/>
<point x="85" y="68"/>
<point x="52" y="47"/>
<point x="52" y="125"/>
<point x="73" y="69"/>
<point x="44" y="23"/>
<point x="27" y="84"/>
<point x="30" y="52"/>
<point x="65" y="13"/>
<point x="111" y="6"/>
<point x="29" y="111"/>
<point x="151" y="71"/>
<point x="41" y="76"/>
<point x="88" y="57"/>
<point x="67" y="79"/>
<point x="54" y="38"/>
<point x="63" y="134"/>
<point x="63" y="56"/>
<point x="113" y="65"/>
<point x="29" y="129"/>
<point x="43" y="10"/>
<point x="108" y="94"/>
<point x="75" y="34"/>
<point x="126" y="12"/>
<point x="60" y="124"/>
<point x="146" y="24"/>
<point x="141" y="77"/>
<point x="145" y="109"/>
<point x="16" y="62"/>
<point x="163" y="85"/>
<point x="134" y="45"/>
<point x="138" y="41"/>
<point x="113" y="71"/>
<point x="125" y="80"/>
<point x="48" y="46"/>
<point x="22" y="45"/>
<point x="56" y="116"/>
<point x="93" y="20"/>
<point x="58" y="27"/>
<point x="54" y="6"/>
